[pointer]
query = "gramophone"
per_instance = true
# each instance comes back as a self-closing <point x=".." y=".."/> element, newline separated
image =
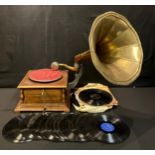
<point x="116" y="52"/>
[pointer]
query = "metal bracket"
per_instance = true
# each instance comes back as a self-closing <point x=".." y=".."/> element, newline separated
<point x="77" y="76"/>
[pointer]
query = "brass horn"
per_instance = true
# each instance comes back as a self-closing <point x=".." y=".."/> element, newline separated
<point x="115" y="49"/>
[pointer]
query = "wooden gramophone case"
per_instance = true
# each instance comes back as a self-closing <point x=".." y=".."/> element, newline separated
<point x="51" y="96"/>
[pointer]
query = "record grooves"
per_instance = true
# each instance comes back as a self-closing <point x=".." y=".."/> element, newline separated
<point x="74" y="127"/>
<point x="108" y="129"/>
<point x="95" y="97"/>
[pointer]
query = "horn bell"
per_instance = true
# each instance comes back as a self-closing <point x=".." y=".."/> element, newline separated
<point x="115" y="48"/>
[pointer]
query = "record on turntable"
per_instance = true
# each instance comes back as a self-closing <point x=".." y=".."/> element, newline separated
<point x="45" y="75"/>
<point x="94" y="98"/>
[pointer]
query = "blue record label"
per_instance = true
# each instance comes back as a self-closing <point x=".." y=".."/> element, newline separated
<point x="107" y="127"/>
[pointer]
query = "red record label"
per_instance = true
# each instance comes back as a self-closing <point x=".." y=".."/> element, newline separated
<point x="45" y="75"/>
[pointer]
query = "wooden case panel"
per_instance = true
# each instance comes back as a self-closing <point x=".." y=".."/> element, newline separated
<point x="39" y="99"/>
<point x="44" y="95"/>
<point x="53" y="92"/>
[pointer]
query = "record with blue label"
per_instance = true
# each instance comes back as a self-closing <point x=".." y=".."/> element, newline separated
<point x="107" y="129"/>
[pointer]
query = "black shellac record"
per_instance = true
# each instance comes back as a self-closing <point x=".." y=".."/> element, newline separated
<point x="31" y="126"/>
<point x="11" y="129"/>
<point x="15" y="130"/>
<point x="42" y="125"/>
<point x="108" y="129"/>
<point x="79" y="124"/>
<point x="26" y="133"/>
<point x="52" y="131"/>
<point x="57" y="128"/>
<point x="67" y="127"/>
<point x="95" y="97"/>
<point x="34" y="125"/>
<point x="83" y="126"/>
<point x="49" y="134"/>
